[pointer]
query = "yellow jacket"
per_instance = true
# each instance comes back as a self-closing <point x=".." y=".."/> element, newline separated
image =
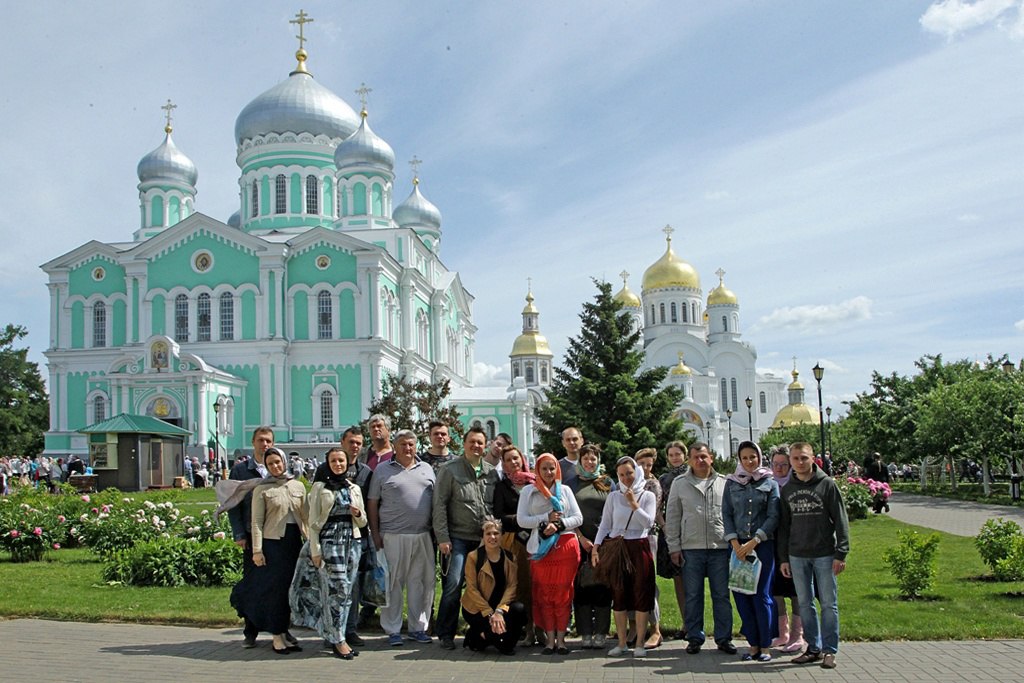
<point x="480" y="585"/>
<point x="318" y="506"/>
<point x="270" y="508"/>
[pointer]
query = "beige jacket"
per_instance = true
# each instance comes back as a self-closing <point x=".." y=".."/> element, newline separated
<point x="318" y="506"/>
<point x="270" y="508"/>
<point x="480" y="585"/>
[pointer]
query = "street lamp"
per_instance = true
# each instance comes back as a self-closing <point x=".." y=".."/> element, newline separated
<point x="750" y="422"/>
<point x="819" y="372"/>
<point x="728" y="414"/>
<point x="216" y="440"/>
<point x="828" y="411"/>
<point x="707" y="431"/>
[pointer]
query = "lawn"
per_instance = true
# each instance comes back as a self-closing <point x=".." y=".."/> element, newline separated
<point x="68" y="585"/>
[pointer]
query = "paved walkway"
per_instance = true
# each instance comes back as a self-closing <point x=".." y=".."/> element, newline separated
<point x="958" y="517"/>
<point x="43" y="651"/>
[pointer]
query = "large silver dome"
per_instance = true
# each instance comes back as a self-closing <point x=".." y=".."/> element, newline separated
<point x="298" y="105"/>
<point x="365" y="148"/>
<point x="417" y="210"/>
<point x="167" y="162"/>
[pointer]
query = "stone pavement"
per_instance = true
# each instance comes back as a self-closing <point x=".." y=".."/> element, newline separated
<point x="38" y="651"/>
<point x="958" y="517"/>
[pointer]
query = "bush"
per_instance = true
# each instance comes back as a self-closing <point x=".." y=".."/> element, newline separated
<point x="123" y="524"/>
<point x="912" y="562"/>
<point x="857" y="497"/>
<point x="27" y="532"/>
<point x="995" y="540"/>
<point x="1011" y="567"/>
<point x="176" y="562"/>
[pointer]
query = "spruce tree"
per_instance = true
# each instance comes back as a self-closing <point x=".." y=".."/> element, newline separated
<point x="602" y="390"/>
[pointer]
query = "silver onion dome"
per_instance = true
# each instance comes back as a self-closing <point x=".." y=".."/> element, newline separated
<point x="235" y="220"/>
<point x="364" y="148"/>
<point x="417" y="210"/>
<point x="167" y="162"/>
<point x="297" y="105"/>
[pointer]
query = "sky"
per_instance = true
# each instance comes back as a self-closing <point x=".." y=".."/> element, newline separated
<point x="856" y="169"/>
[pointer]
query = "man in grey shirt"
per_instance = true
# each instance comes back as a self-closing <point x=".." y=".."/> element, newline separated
<point x="398" y="510"/>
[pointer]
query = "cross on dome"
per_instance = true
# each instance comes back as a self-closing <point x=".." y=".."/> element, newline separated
<point x="529" y="284"/>
<point x="363" y="91"/>
<point x="415" y="163"/>
<point x="625" y="276"/>
<point x="168" y="108"/>
<point x="721" y="275"/>
<point x="668" y="230"/>
<point x="301" y="19"/>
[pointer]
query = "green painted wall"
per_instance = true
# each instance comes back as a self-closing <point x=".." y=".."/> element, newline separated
<point x="248" y="315"/>
<point x="159" y="319"/>
<point x="291" y="158"/>
<point x="348" y="315"/>
<point x="231" y="265"/>
<point x="272" y="303"/>
<point x="301" y="313"/>
<point x="80" y="279"/>
<point x="156" y="211"/>
<point x="250" y="411"/>
<point x="119" y="322"/>
<point x="135" y="310"/>
<point x="264" y="196"/>
<point x="78" y="325"/>
<point x="358" y="199"/>
<point x="78" y="383"/>
<point x="302" y="269"/>
<point x="346" y="379"/>
<point x="173" y="211"/>
<point x="328" y="195"/>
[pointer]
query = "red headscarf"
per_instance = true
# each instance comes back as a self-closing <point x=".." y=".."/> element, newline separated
<point x="539" y="483"/>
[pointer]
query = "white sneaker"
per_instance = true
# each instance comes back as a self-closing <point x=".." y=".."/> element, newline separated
<point x="640" y="652"/>
<point x="600" y="642"/>
<point x="588" y="642"/>
<point x="619" y="651"/>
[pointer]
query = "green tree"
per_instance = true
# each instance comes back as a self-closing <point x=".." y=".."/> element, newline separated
<point x="24" y="411"/>
<point x="810" y="433"/>
<point x="602" y="390"/>
<point x="413" y="404"/>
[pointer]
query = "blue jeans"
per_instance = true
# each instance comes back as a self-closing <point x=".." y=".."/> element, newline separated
<point x="808" y="573"/>
<point x="451" y="590"/>
<point x="713" y="565"/>
<point x="757" y="612"/>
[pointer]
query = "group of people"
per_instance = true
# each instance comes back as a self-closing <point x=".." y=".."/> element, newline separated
<point x="38" y="471"/>
<point x="526" y="551"/>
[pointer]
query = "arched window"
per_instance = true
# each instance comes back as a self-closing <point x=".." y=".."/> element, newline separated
<point x="280" y="194"/>
<point x="181" y="318"/>
<point x="99" y="409"/>
<point x="326" y="409"/>
<point x="686" y="318"/>
<point x="227" y="317"/>
<point x="725" y="324"/>
<point x="724" y="390"/>
<point x="99" y="324"/>
<point x="650" y="321"/>
<point x="492" y="429"/>
<point x="544" y="372"/>
<point x="732" y="384"/>
<point x="762" y="402"/>
<point x="529" y="372"/>
<point x="693" y="311"/>
<point x="674" y="316"/>
<point x="312" y="194"/>
<point x="324" y="315"/>
<point x="515" y="370"/>
<point x="661" y="313"/>
<point x="203" y="317"/>
<point x="254" y="205"/>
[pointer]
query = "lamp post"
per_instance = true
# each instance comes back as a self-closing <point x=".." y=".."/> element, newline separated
<point x="707" y="431"/>
<point x="819" y="372"/>
<point x="828" y="411"/>
<point x="728" y="415"/>
<point x="750" y="422"/>
<point x="216" y="440"/>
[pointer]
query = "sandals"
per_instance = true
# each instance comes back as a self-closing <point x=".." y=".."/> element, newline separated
<point x="829" y="662"/>
<point x="808" y="657"/>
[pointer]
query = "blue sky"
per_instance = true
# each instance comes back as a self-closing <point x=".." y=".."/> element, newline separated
<point x="857" y="169"/>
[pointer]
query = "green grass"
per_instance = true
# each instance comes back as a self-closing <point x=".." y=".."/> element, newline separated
<point x="962" y="604"/>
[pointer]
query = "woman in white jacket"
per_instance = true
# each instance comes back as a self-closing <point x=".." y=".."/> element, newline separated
<point x="550" y="511"/>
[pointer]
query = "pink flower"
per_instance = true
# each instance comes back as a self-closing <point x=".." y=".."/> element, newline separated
<point x="14" y="533"/>
<point x="56" y="546"/>
<point x="219" y="535"/>
<point x="95" y="511"/>
<point x="106" y="508"/>
<point x="85" y="498"/>
<point x="61" y="519"/>
<point x="37" y="531"/>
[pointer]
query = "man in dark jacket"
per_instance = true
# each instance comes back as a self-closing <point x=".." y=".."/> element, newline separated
<point x="813" y="542"/>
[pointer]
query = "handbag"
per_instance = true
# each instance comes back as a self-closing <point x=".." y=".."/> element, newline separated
<point x="587" y="575"/>
<point x="744" y="574"/>
<point x="374" y="583"/>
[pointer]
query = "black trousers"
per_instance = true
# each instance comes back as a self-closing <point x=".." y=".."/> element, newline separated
<point x="479" y="634"/>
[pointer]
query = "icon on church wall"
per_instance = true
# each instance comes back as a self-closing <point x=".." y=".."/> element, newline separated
<point x="159" y="355"/>
<point x="323" y="262"/>
<point x="98" y="274"/>
<point x="203" y="261"/>
<point x="161" y="407"/>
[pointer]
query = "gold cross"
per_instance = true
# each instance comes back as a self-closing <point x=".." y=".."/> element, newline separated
<point x="721" y="275"/>
<point x="668" y="230"/>
<point x="415" y="163"/>
<point x="168" y="108"/>
<point x="625" y="276"/>
<point x="301" y="19"/>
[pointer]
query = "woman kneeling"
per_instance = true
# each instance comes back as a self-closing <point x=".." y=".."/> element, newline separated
<point x="488" y="603"/>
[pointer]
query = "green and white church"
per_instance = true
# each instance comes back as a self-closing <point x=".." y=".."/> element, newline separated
<point x="289" y="314"/>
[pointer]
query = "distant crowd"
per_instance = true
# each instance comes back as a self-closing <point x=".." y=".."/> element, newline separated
<point x="38" y="471"/>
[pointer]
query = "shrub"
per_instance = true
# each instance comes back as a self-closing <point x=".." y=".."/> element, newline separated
<point x="857" y="497"/>
<point x="995" y="540"/>
<point x="912" y="562"/>
<point x="1011" y="567"/>
<point x="121" y="525"/>
<point x="176" y="562"/>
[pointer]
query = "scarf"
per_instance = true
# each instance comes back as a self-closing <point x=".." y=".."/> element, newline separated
<point x="523" y="477"/>
<point x="546" y="544"/>
<point x="638" y="476"/>
<point x="231" y="492"/>
<point x="741" y="476"/>
<point x="330" y="480"/>
<point x="588" y="476"/>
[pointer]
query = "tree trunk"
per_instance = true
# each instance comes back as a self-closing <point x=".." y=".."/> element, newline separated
<point x="986" y="475"/>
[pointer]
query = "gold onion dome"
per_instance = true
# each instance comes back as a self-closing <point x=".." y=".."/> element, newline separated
<point x="529" y="307"/>
<point x="531" y="342"/>
<point x="625" y="296"/>
<point x="681" y="368"/>
<point x="795" y="414"/>
<point x="795" y="384"/>
<point x="670" y="270"/>
<point x="721" y="294"/>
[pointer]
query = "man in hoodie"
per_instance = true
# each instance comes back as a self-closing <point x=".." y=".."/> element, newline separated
<point x="813" y="541"/>
<point x="695" y="536"/>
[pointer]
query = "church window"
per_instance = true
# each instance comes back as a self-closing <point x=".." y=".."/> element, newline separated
<point x="529" y="372"/>
<point x="326" y="409"/>
<point x="312" y="195"/>
<point x="725" y="324"/>
<point x="515" y="370"/>
<point x="492" y="429"/>
<point x="685" y="317"/>
<point x="181" y="318"/>
<point x="99" y="324"/>
<point x="724" y="394"/>
<point x="203" y="317"/>
<point x="732" y="383"/>
<point x="324" y="315"/>
<point x="661" y="313"/>
<point x="254" y="206"/>
<point x="544" y="373"/>
<point x="650" y="321"/>
<point x="227" y="317"/>
<point x="673" y="312"/>
<point x="377" y="199"/>
<point x="99" y="409"/>
<point x="762" y="402"/>
<point x="693" y="311"/>
<point x="280" y="194"/>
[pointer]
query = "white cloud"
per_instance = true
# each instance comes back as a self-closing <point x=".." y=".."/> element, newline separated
<point x="968" y="218"/>
<point x="814" y="317"/>
<point x="487" y="375"/>
<point x="952" y="17"/>
<point x="716" y="195"/>
<point x="832" y="366"/>
<point x="1019" y="325"/>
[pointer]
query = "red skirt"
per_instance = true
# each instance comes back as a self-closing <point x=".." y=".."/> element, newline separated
<point x="552" y="578"/>
<point x="637" y="591"/>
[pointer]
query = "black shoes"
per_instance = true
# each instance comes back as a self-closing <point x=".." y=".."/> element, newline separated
<point x="354" y="639"/>
<point x="727" y="647"/>
<point x="249" y="642"/>
<point x="693" y="648"/>
<point x="448" y="643"/>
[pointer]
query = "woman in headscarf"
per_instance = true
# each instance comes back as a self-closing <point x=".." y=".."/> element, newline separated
<point x="278" y="525"/>
<point x="321" y="592"/>
<point x="517" y="476"/>
<point x="550" y="511"/>
<point x="592" y="601"/>
<point x="750" y="512"/>
<point x="628" y="562"/>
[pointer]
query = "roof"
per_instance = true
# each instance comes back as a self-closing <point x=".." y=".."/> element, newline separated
<point x="134" y="424"/>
